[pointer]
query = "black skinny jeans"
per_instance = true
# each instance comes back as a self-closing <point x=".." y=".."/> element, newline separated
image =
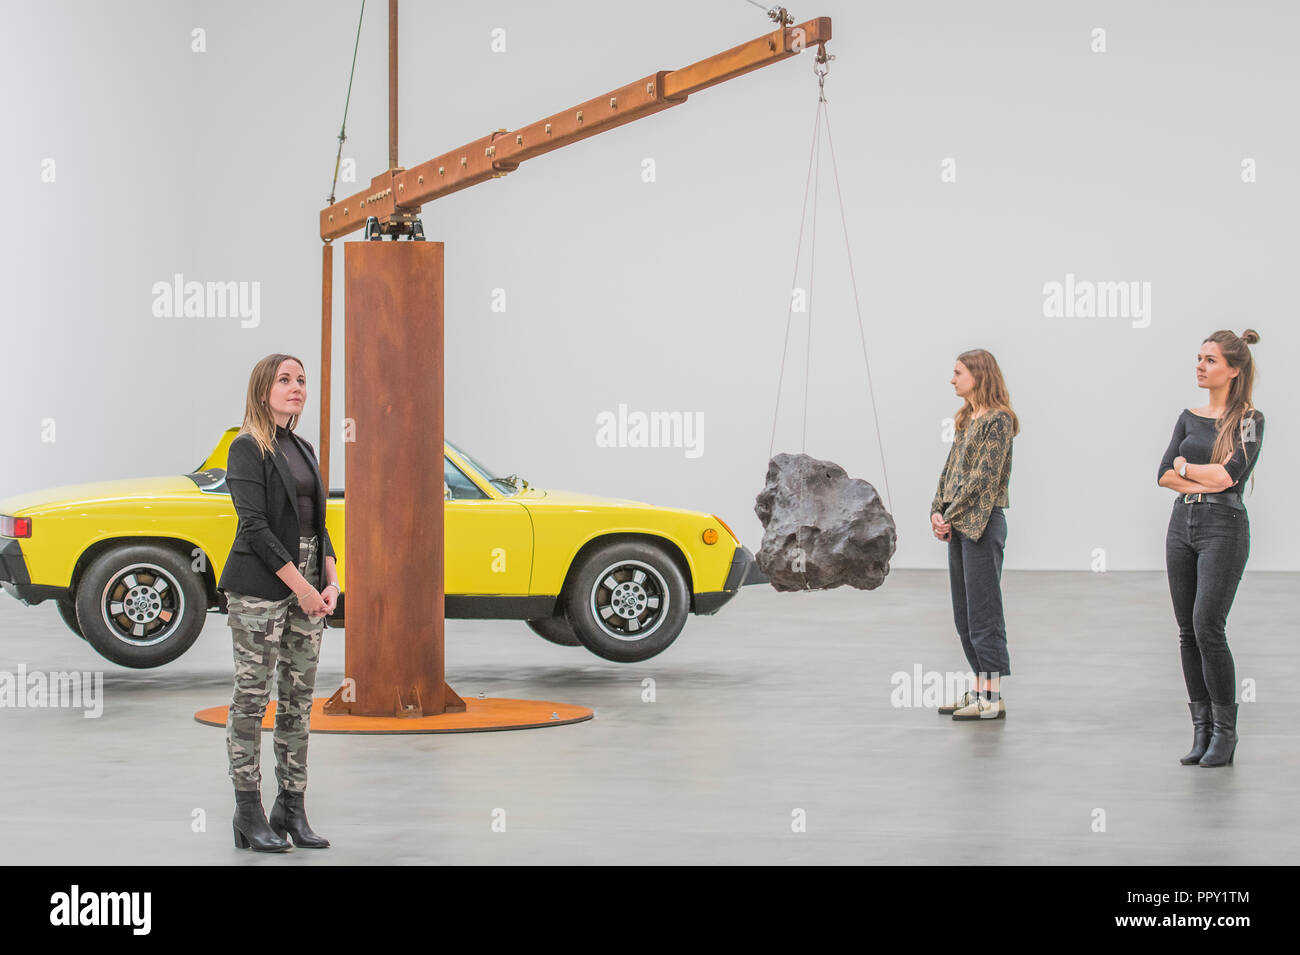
<point x="1205" y="553"/>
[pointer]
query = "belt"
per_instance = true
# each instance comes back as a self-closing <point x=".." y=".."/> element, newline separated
<point x="1230" y="498"/>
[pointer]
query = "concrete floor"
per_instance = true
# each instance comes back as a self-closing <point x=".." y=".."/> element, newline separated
<point x="779" y="702"/>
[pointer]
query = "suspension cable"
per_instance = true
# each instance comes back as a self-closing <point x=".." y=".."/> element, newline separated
<point x="811" y="184"/>
<point x="789" y="316"/>
<point x="857" y="305"/>
<point x="812" y="269"/>
<point x="343" y="130"/>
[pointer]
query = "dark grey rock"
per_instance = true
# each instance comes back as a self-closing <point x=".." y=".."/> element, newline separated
<point x="822" y="528"/>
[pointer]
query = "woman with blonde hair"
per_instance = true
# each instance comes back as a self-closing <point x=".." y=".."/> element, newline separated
<point x="280" y="583"/>
<point x="1213" y="450"/>
<point x="967" y="512"/>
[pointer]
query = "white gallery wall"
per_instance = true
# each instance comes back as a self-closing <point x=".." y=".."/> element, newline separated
<point x="985" y="150"/>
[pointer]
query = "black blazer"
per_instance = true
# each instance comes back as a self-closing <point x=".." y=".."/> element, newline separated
<point x="263" y="490"/>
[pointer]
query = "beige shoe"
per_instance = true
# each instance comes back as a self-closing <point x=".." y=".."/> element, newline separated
<point x="966" y="699"/>
<point x="982" y="709"/>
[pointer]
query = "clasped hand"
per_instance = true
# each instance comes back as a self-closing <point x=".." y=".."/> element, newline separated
<point x="319" y="603"/>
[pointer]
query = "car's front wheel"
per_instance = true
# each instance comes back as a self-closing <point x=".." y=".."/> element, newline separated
<point x="627" y="601"/>
<point x="141" y="605"/>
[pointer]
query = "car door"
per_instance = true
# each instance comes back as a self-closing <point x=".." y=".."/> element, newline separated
<point x="488" y="538"/>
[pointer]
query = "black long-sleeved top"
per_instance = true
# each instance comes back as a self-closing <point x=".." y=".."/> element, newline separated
<point x="1194" y="440"/>
<point x="305" y="477"/>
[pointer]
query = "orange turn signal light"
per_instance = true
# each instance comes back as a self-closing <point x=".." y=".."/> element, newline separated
<point x="728" y="527"/>
<point x="710" y="536"/>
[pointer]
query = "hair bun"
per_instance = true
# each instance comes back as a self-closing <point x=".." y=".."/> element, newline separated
<point x="1250" y="336"/>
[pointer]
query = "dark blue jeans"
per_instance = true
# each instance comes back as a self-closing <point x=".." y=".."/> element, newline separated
<point x="975" y="576"/>
<point x="1205" y="553"/>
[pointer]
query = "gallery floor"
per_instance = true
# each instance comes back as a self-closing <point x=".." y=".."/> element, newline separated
<point x="777" y="704"/>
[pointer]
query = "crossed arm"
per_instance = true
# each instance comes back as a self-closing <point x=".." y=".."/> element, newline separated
<point x="1201" y="478"/>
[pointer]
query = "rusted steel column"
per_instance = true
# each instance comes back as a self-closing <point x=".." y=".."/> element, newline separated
<point x="393" y="546"/>
<point x="326" y="354"/>
<point x="392" y="84"/>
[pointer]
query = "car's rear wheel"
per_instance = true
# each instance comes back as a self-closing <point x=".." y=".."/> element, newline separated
<point x="627" y="601"/>
<point x="555" y="629"/>
<point x="141" y="605"/>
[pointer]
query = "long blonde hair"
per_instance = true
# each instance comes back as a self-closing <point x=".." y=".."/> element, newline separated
<point x="1237" y="355"/>
<point x="990" y="388"/>
<point x="258" y="420"/>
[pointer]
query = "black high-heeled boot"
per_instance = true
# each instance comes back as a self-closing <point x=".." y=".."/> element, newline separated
<point x="1203" y="729"/>
<point x="289" y="816"/>
<point x="251" y="828"/>
<point x="1223" y="745"/>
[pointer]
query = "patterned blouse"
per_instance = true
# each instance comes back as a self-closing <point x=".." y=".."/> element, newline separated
<point x="976" y="475"/>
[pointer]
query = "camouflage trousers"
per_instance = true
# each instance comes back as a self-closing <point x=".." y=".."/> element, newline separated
<point x="273" y="638"/>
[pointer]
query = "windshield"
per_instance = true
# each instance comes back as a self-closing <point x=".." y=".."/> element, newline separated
<point x="502" y="484"/>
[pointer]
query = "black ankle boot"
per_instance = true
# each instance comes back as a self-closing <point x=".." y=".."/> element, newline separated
<point x="1223" y="745"/>
<point x="289" y="816"/>
<point x="251" y="829"/>
<point x="1203" y="727"/>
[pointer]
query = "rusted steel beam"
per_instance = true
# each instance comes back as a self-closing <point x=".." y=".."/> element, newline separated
<point x="406" y="190"/>
<point x="740" y="60"/>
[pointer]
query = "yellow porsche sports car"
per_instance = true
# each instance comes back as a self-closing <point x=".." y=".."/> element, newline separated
<point x="133" y="564"/>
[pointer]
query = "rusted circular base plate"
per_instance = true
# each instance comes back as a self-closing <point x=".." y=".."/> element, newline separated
<point x="480" y="716"/>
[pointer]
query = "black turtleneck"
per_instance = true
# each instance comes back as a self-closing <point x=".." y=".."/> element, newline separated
<point x="304" y="476"/>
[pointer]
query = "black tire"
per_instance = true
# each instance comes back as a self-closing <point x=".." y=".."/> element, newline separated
<point x="68" y="611"/>
<point x="141" y="605"/>
<point x="555" y="629"/>
<point x="627" y="601"/>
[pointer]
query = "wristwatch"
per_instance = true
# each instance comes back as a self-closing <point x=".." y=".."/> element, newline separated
<point x="1182" y="472"/>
